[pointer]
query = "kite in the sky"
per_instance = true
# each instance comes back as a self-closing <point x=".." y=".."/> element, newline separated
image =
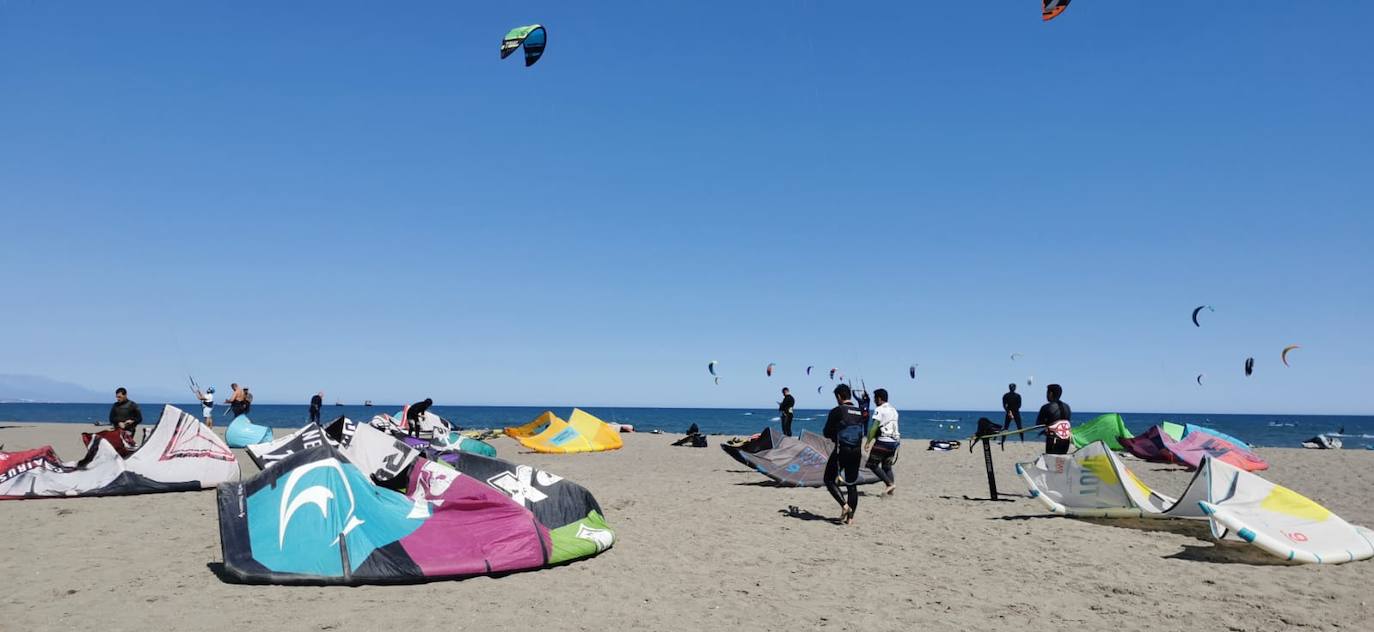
<point x="1284" y="355"/>
<point x="711" y="366"/>
<point x="1030" y="380"/>
<point x="808" y="369"/>
<point x="769" y="370"/>
<point x="1050" y="9"/>
<point x="911" y="370"/>
<point x="717" y="381"/>
<point x="832" y="373"/>
<point x="1199" y="378"/>
<point x="532" y="37"/>
<point x="1198" y="310"/>
<point x="1249" y="366"/>
<point x="1014" y="356"/>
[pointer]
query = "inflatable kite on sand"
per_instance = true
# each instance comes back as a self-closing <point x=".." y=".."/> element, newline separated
<point x="375" y="510"/>
<point x="1240" y="506"/>
<point x="1188" y="445"/>
<point x="242" y="432"/>
<point x="766" y="439"/>
<point x="180" y="454"/>
<point x="583" y="432"/>
<point x="794" y="462"/>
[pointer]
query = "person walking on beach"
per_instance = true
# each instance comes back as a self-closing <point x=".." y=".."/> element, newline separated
<point x="316" y="403"/>
<point x="1054" y="410"/>
<point x="846" y="427"/>
<point x="884" y="439"/>
<point x="785" y="411"/>
<point x="124" y="413"/>
<point x="207" y="405"/>
<point x="1011" y="405"/>
<point x="238" y="404"/>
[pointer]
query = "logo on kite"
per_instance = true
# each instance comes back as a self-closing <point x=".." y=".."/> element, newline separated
<point x="600" y="537"/>
<point x="1284" y="356"/>
<point x="1199" y="310"/>
<point x="769" y="370"/>
<point x="1249" y="366"/>
<point x="532" y="38"/>
<point x="1050" y="9"/>
<point x="318" y="495"/>
<point x="911" y="370"/>
<point x="711" y="367"/>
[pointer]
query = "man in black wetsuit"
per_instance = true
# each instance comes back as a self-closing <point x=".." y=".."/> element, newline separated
<point x="1011" y="405"/>
<point x="785" y="411"/>
<point x="846" y="425"/>
<point x="316" y="403"/>
<point x="414" y="413"/>
<point x="124" y="414"/>
<point x="1054" y="410"/>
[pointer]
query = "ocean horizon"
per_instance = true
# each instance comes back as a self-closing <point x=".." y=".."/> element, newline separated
<point x="1264" y="430"/>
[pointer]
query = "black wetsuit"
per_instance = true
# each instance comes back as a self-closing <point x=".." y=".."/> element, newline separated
<point x="846" y="459"/>
<point x="415" y="413"/>
<point x="126" y="410"/>
<point x="1050" y="413"/>
<point x="1011" y="403"/>
<point x="785" y="413"/>
<point x="316" y="403"/>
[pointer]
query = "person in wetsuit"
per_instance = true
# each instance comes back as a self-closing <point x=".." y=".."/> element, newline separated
<point x="414" y="413"/>
<point x="1011" y="405"/>
<point x="316" y="403"/>
<point x="785" y="411"/>
<point x="124" y="413"/>
<point x="1054" y="410"/>
<point x="846" y="426"/>
<point x="884" y="438"/>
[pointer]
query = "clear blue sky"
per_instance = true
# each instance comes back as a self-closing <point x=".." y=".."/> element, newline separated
<point x="361" y="197"/>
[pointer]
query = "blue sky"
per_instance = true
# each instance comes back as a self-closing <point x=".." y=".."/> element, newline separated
<point x="361" y="197"/>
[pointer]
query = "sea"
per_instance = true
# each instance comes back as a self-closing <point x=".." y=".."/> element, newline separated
<point x="1269" y="430"/>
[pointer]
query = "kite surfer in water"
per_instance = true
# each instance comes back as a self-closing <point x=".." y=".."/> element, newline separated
<point x="884" y="438"/>
<point x="846" y="426"/>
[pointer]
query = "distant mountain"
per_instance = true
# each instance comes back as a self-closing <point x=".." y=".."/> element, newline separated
<point x="35" y="388"/>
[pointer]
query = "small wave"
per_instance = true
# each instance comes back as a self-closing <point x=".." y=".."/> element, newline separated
<point x="944" y="420"/>
<point x="747" y="414"/>
<point x="1360" y="436"/>
<point x="1275" y="424"/>
<point x="775" y="419"/>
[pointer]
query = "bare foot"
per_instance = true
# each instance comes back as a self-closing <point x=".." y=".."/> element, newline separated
<point x="846" y="514"/>
<point x="890" y="490"/>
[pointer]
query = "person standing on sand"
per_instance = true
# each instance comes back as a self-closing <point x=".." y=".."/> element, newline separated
<point x="414" y="413"/>
<point x="785" y="411"/>
<point x="1011" y="405"/>
<point x="1053" y="411"/>
<point x="316" y="403"/>
<point x="884" y="438"/>
<point x="207" y="405"/>
<point x="237" y="402"/>
<point x="845" y="426"/>
<point x="124" y="413"/>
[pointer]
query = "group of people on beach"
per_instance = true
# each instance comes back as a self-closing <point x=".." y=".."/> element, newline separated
<point x="854" y="430"/>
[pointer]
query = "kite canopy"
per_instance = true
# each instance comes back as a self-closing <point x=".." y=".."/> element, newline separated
<point x="796" y="462"/>
<point x="808" y="369"/>
<point x="711" y="367"/>
<point x="581" y="433"/>
<point x="1093" y="482"/>
<point x="911" y="370"/>
<point x="1249" y="366"/>
<point x="532" y="428"/>
<point x="1284" y="356"/>
<point x="1050" y="9"/>
<point x="532" y="37"/>
<point x="316" y="517"/>
<point x="180" y="454"/>
<point x="1188" y="445"/>
<point x="1108" y="428"/>
<point x="242" y="432"/>
<point x="766" y="439"/>
<point x="770" y="368"/>
<point x="1198" y="310"/>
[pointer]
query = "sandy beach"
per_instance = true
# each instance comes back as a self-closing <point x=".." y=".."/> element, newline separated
<point x="704" y="543"/>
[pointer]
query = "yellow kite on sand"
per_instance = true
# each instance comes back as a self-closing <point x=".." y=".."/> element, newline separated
<point x="582" y="433"/>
